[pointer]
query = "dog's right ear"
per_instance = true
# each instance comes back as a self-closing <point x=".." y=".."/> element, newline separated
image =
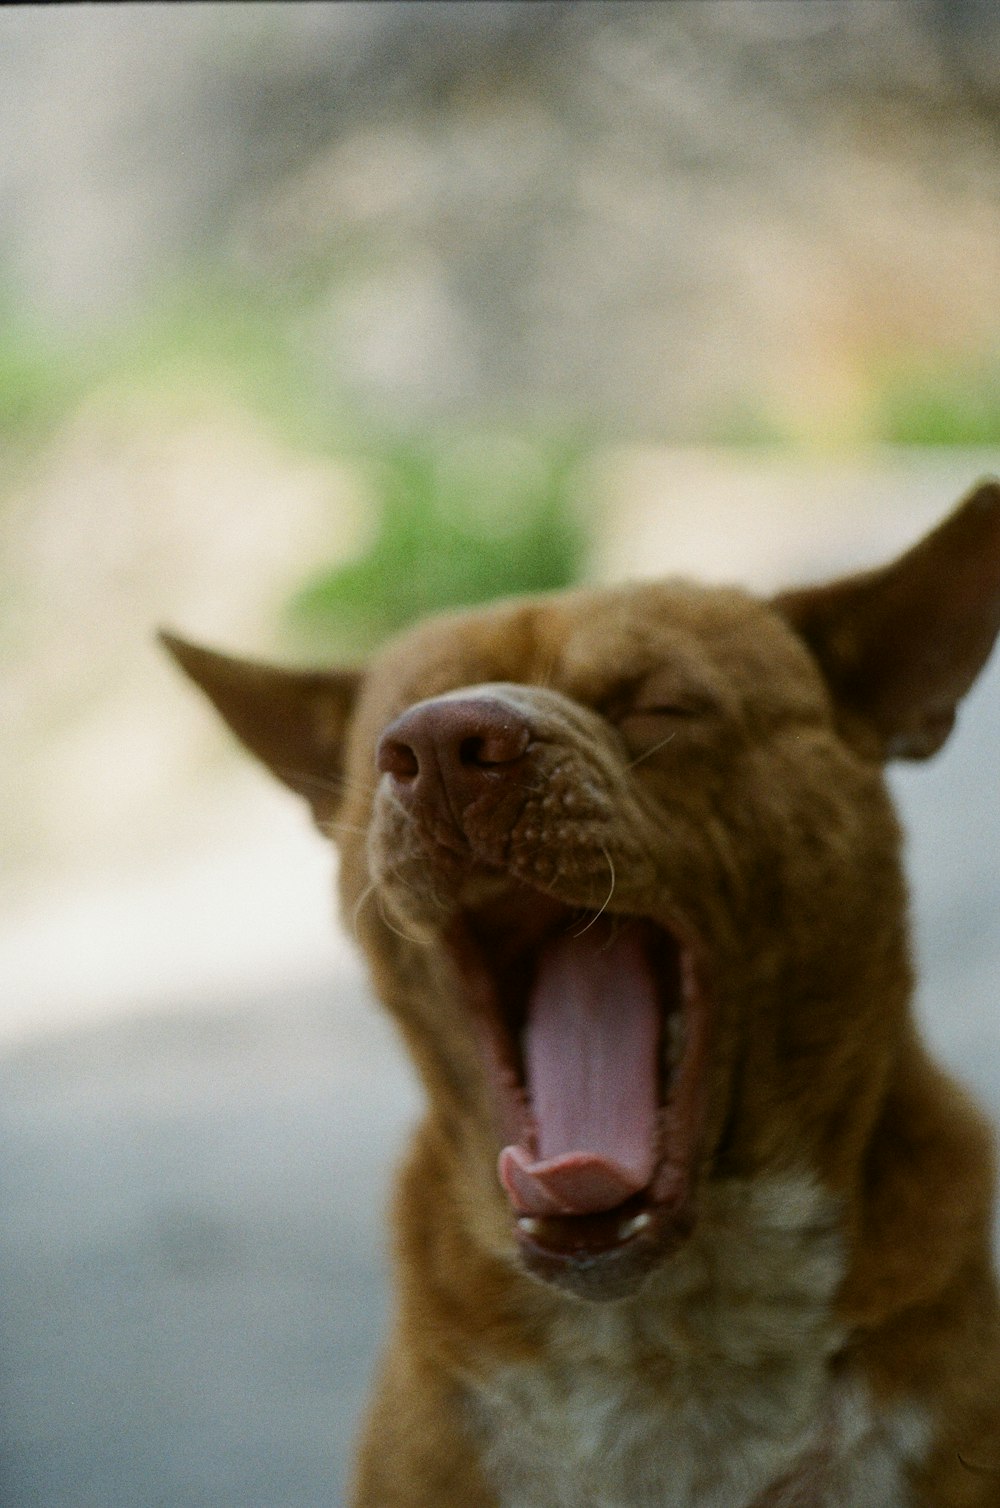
<point x="901" y="646"/>
<point x="293" y="720"/>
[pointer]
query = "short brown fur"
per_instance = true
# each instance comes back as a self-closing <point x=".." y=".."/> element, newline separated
<point x="711" y="763"/>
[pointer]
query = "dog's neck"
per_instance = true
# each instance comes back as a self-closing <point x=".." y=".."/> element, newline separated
<point x="715" y="1387"/>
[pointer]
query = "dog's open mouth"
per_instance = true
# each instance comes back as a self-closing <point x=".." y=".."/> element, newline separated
<point x="594" y="1028"/>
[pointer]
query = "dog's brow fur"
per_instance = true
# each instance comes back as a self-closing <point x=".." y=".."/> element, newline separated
<point x="680" y="790"/>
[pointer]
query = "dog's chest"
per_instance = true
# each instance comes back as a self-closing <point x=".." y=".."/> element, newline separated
<point x="715" y="1393"/>
<point x="608" y="1445"/>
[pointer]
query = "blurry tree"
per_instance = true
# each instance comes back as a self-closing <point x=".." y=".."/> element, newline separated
<point x="456" y="521"/>
<point x="680" y="219"/>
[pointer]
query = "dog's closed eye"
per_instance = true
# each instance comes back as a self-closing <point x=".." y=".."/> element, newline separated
<point x="662" y="710"/>
<point x="651" y="719"/>
<point x="667" y="692"/>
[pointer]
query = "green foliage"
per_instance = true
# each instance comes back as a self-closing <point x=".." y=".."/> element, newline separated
<point x="940" y="404"/>
<point x="458" y="520"/>
<point x="202" y="335"/>
<point x="455" y="519"/>
<point x="920" y="400"/>
<point x="214" y="337"/>
<point x="39" y="380"/>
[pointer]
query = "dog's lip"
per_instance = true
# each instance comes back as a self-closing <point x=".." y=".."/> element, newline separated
<point x="514" y="924"/>
<point x="603" y="1257"/>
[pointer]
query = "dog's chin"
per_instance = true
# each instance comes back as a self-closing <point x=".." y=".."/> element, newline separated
<point x="602" y="1257"/>
<point x="599" y="1181"/>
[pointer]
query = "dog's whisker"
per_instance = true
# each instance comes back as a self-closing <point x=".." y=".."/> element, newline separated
<point x="416" y="942"/>
<point x="530" y="787"/>
<point x="372" y="891"/>
<point x="607" y="900"/>
<point x="424" y="895"/>
<point x="648" y="753"/>
<point x="548" y="675"/>
<point x="330" y="828"/>
<point x="362" y="900"/>
<point x="334" y="785"/>
<point x="393" y="874"/>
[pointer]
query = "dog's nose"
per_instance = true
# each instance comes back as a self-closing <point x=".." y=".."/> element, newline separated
<point x="448" y="751"/>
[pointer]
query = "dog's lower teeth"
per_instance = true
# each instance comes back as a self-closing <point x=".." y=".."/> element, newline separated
<point x="633" y="1226"/>
<point x="530" y="1226"/>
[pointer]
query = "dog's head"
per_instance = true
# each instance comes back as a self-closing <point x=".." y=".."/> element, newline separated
<point x="626" y="872"/>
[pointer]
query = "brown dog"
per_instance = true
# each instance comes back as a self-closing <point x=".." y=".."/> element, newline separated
<point x="692" y="1219"/>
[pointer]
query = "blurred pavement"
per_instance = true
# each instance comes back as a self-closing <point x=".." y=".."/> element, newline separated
<point x="191" y="1265"/>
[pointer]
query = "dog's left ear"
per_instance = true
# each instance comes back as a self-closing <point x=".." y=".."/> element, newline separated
<point x="293" y="720"/>
<point x="901" y="646"/>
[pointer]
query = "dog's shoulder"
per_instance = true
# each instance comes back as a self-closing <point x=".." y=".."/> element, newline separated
<point x="713" y="1389"/>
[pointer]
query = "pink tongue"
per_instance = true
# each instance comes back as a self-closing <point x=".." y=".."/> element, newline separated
<point x="590" y="1052"/>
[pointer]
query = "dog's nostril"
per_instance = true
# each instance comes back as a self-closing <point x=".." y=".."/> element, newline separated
<point x="470" y="751"/>
<point x="398" y="758"/>
<point x="446" y="740"/>
<point x="501" y="745"/>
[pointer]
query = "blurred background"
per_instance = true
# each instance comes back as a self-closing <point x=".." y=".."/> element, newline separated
<point x="313" y="318"/>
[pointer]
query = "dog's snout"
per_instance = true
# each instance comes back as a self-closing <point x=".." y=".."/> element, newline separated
<point x="449" y="750"/>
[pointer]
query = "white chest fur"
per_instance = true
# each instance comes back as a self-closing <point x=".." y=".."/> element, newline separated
<point x="709" y="1389"/>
